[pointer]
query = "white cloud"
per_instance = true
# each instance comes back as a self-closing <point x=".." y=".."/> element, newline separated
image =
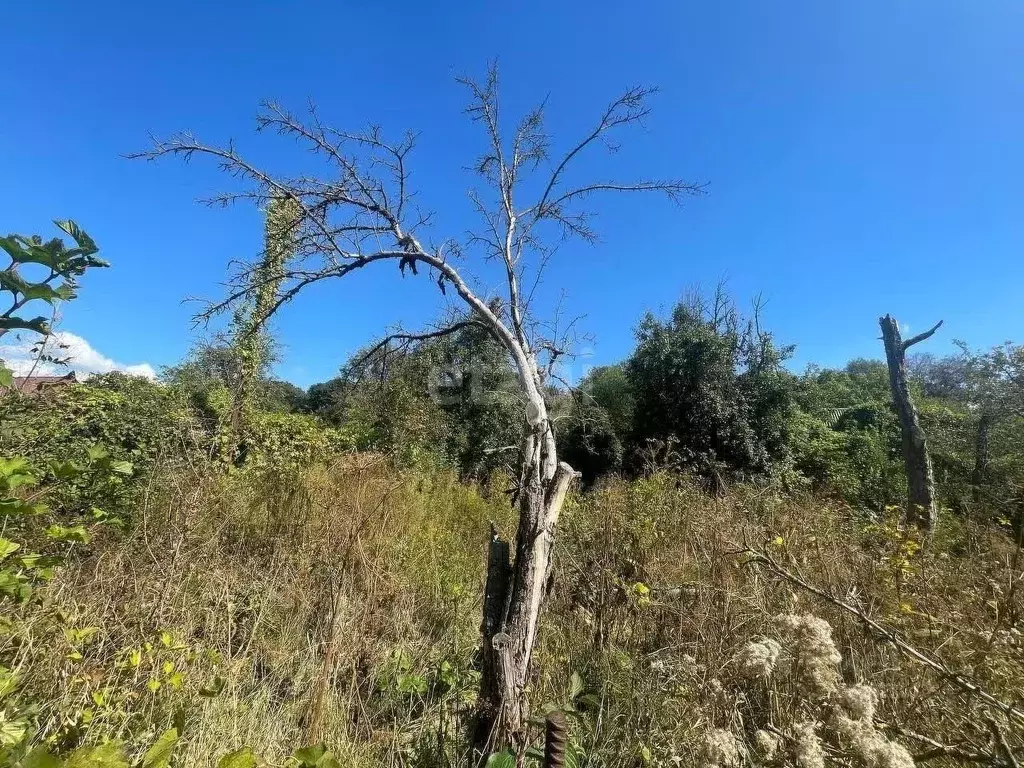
<point x="82" y="358"/>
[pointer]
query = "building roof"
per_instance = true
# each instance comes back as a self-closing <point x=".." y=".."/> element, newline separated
<point x="33" y="385"/>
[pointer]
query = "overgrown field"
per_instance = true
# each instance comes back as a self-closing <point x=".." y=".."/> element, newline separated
<point x="340" y="604"/>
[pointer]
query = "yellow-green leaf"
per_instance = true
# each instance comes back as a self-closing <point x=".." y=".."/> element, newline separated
<point x="159" y="755"/>
<point x="240" y="758"/>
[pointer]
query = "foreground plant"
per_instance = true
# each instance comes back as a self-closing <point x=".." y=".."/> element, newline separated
<point x="362" y="213"/>
<point x="59" y="266"/>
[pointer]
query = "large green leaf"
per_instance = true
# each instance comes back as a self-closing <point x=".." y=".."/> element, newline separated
<point x="240" y="758"/>
<point x="39" y="324"/>
<point x="15" y="473"/>
<point x="40" y="757"/>
<point x="317" y="756"/>
<point x="86" y="243"/>
<point x="8" y="682"/>
<point x="122" y="467"/>
<point x="13" y="282"/>
<point x="12" y="244"/>
<point x="159" y="755"/>
<point x="109" y="755"/>
<point x="41" y="292"/>
<point x="310" y="755"/>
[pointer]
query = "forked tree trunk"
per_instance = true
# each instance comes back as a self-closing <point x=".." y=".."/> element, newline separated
<point x="514" y="595"/>
<point x="981" y="453"/>
<point x="921" y="508"/>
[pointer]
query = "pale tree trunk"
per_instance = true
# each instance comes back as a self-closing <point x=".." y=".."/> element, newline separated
<point x="921" y="509"/>
<point x="515" y="593"/>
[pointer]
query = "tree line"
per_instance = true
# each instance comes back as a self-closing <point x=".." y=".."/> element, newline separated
<point x="705" y="390"/>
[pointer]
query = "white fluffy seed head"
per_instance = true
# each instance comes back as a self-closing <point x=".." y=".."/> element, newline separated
<point x="860" y="701"/>
<point x="873" y="749"/>
<point x="809" y="639"/>
<point x="767" y="744"/>
<point x="809" y="752"/>
<point x="855" y="722"/>
<point x="758" y="658"/>
<point x="722" y="749"/>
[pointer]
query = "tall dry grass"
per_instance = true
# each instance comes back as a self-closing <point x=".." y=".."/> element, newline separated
<point x="341" y="605"/>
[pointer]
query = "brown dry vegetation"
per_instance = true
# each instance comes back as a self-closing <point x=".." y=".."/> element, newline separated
<point x="342" y="605"/>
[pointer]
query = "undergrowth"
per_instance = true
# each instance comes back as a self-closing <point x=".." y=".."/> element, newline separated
<point x="341" y="605"/>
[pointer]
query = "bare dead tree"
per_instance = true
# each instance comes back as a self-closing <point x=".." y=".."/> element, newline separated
<point x="921" y="508"/>
<point x="363" y="213"/>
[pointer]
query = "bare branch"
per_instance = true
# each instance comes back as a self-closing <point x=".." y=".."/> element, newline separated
<point x="674" y="190"/>
<point x="964" y="684"/>
<point x="938" y="749"/>
<point x="630" y="107"/>
<point x="409" y="339"/>
<point x="1002" y="746"/>
<point x="921" y="336"/>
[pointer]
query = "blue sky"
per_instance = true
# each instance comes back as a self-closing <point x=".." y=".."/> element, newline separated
<point x="862" y="157"/>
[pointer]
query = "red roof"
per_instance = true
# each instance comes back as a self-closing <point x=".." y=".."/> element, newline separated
<point x="31" y="385"/>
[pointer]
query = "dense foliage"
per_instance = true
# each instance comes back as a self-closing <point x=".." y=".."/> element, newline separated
<point x="706" y="391"/>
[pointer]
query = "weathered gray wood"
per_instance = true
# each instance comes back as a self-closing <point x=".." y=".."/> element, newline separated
<point x="921" y="509"/>
<point x="508" y="647"/>
<point x="495" y="596"/>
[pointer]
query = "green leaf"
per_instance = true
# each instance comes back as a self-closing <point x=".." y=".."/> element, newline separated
<point x="122" y="467"/>
<point x="109" y="755"/>
<point x="310" y="756"/>
<point x="63" y="533"/>
<point x="14" y="465"/>
<point x="412" y="683"/>
<point x="12" y="245"/>
<point x="13" y="282"/>
<point x="65" y="470"/>
<point x="8" y="682"/>
<point x="97" y="452"/>
<point x="317" y="756"/>
<point x="40" y="757"/>
<point x="65" y="291"/>
<point x="34" y="560"/>
<point x="159" y="755"/>
<point x="7" y="547"/>
<point x="576" y="686"/>
<point x="503" y="759"/>
<point x="6" y="376"/>
<point x="213" y="689"/>
<point x="240" y="758"/>
<point x="574" y="757"/>
<point x="41" y="292"/>
<point x="86" y="243"/>
<point x="39" y="324"/>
